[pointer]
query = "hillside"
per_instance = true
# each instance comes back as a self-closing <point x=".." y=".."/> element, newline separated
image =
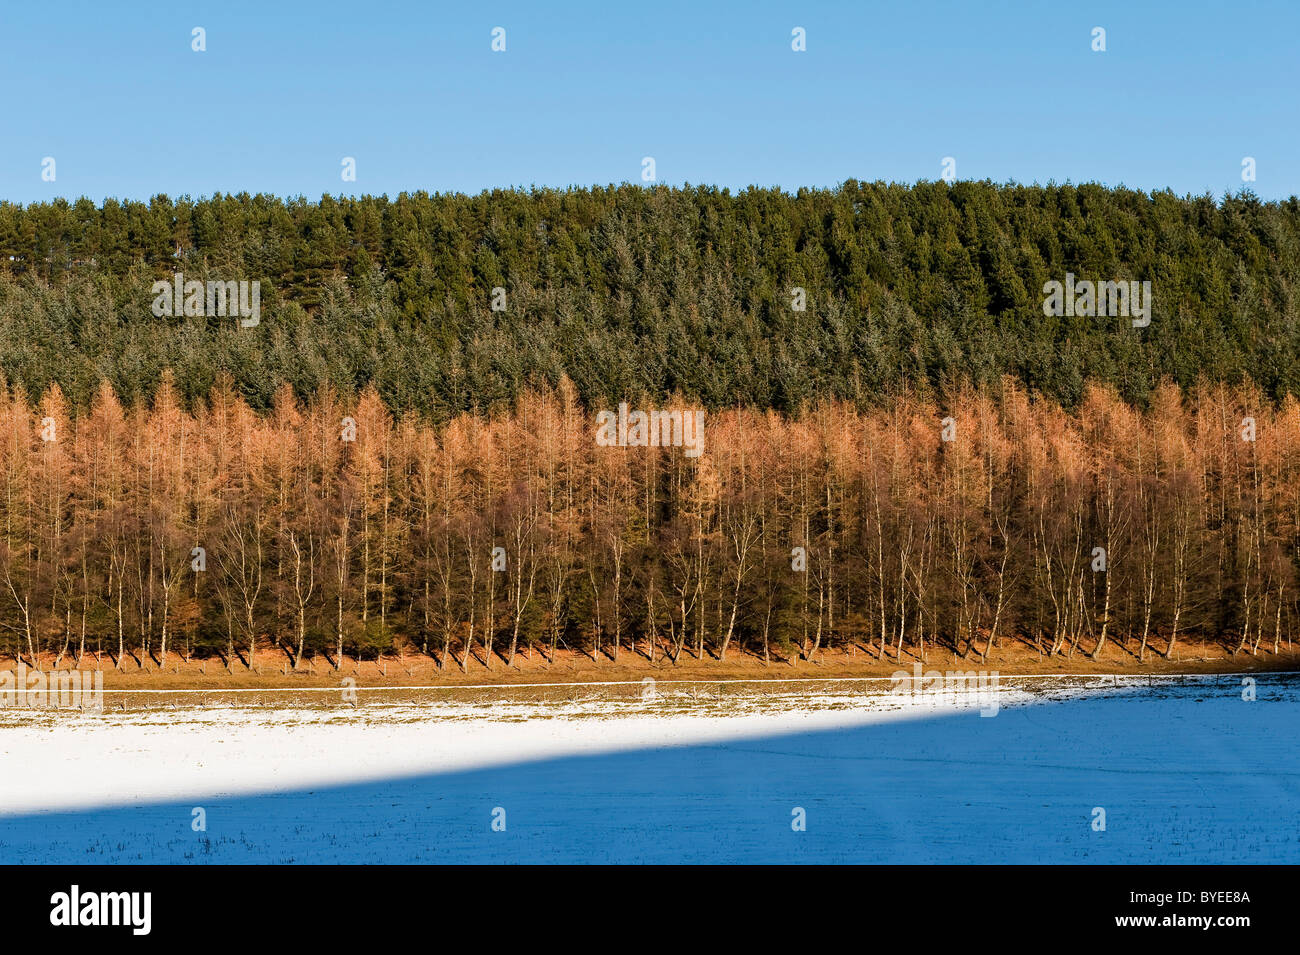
<point x="634" y="292"/>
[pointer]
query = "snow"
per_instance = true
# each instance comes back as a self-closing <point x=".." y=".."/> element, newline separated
<point x="1186" y="771"/>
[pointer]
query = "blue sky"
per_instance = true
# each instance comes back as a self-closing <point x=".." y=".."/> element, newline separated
<point x="713" y="91"/>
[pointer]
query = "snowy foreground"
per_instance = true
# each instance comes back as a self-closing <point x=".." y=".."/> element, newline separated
<point x="1186" y="771"/>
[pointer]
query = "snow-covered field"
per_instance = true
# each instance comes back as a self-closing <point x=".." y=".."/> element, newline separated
<point x="1185" y="771"/>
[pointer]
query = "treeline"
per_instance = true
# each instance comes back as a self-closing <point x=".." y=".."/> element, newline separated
<point x="628" y="290"/>
<point x="333" y="527"/>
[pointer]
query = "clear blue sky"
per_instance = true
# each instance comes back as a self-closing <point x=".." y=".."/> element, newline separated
<point x="713" y="91"/>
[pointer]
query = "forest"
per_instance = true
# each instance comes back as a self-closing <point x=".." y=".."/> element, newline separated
<point x="335" y="528"/>
<point x="633" y="292"/>
<point x="901" y="449"/>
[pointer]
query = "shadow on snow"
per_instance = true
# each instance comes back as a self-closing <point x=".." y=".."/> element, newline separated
<point x="1184" y="777"/>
